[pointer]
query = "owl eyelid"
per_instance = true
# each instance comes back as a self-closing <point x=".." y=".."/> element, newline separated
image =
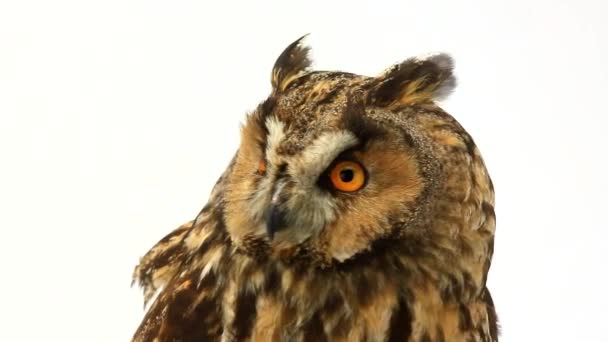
<point x="347" y="155"/>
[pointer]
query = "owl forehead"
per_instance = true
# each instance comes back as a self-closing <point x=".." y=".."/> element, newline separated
<point x="314" y="106"/>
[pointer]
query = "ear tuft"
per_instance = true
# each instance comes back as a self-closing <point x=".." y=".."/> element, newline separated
<point x="415" y="80"/>
<point x="293" y="62"/>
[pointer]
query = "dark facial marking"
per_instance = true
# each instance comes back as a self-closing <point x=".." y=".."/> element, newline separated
<point x="355" y="121"/>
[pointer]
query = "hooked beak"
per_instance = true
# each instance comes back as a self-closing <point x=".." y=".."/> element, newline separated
<point x="275" y="215"/>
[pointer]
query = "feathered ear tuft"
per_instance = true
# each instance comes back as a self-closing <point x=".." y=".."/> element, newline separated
<point x="415" y="80"/>
<point x="291" y="64"/>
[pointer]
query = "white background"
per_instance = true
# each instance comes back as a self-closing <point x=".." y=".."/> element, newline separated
<point x="116" y="118"/>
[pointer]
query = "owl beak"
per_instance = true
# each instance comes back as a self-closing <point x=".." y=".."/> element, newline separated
<point x="275" y="215"/>
<point x="275" y="220"/>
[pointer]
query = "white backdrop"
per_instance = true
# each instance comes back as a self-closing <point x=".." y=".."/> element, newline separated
<point x="116" y="118"/>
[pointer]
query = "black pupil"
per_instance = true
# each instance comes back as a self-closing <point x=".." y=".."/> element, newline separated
<point x="347" y="175"/>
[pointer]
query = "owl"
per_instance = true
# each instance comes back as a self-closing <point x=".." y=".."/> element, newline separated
<point x="355" y="209"/>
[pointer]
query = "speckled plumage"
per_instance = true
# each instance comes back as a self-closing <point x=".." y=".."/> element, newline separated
<point x="405" y="258"/>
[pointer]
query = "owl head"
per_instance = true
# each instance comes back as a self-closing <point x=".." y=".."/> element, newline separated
<point x="335" y="167"/>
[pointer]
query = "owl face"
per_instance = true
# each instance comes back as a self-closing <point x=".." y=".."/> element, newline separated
<point x="333" y="163"/>
<point x="312" y="184"/>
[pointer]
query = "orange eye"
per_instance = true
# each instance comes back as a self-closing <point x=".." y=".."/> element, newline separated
<point x="262" y="166"/>
<point x="347" y="176"/>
